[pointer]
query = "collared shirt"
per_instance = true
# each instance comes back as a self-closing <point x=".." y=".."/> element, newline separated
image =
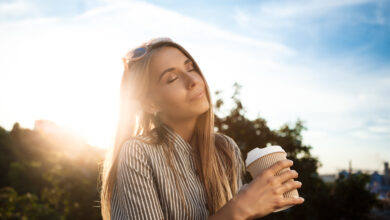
<point x="145" y="187"/>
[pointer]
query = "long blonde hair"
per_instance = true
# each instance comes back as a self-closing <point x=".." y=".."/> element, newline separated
<point x="212" y="154"/>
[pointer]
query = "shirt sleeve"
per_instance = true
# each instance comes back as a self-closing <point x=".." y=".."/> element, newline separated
<point x="136" y="195"/>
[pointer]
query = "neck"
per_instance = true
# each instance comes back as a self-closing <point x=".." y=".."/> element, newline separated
<point x="185" y="128"/>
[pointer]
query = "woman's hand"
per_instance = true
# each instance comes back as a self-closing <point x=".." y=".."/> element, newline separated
<point x="264" y="194"/>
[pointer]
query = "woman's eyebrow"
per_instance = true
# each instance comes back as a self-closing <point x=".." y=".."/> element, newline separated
<point x="172" y="68"/>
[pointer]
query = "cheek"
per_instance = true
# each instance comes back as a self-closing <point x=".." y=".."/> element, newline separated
<point x="173" y="97"/>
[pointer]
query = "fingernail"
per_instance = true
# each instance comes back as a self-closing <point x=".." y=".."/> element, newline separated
<point x="302" y="199"/>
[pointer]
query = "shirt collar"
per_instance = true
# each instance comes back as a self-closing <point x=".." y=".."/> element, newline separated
<point x="173" y="136"/>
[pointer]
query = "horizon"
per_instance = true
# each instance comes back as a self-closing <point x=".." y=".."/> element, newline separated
<point x="51" y="128"/>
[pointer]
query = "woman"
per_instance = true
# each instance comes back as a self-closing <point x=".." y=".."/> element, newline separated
<point x="167" y="162"/>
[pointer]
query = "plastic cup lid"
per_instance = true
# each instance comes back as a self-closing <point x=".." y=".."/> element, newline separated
<point x="259" y="152"/>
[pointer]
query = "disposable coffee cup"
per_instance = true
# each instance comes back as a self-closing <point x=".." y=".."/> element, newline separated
<point x="260" y="159"/>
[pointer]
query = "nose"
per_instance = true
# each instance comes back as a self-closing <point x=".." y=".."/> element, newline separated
<point x="191" y="80"/>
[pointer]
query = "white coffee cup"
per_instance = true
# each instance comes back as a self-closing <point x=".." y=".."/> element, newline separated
<point x="260" y="159"/>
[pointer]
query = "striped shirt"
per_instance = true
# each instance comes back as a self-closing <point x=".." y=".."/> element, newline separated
<point x="145" y="186"/>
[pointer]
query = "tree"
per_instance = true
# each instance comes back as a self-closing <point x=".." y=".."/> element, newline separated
<point x="43" y="178"/>
<point x="27" y="206"/>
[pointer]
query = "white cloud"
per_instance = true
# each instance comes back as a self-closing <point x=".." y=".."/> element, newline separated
<point x="291" y="9"/>
<point x="242" y="18"/>
<point x="310" y="18"/>
<point x="18" y="7"/>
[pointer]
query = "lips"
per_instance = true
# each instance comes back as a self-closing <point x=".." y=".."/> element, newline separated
<point x="197" y="95"/>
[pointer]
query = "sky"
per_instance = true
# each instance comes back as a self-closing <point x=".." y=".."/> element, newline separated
<point x="324" y="62"/>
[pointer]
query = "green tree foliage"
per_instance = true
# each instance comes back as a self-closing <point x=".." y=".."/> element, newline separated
<point x="25" y="207"/>
<point x="47" y="177"/>
<point x="351" y="192"/>
<point x="6" y="156"/>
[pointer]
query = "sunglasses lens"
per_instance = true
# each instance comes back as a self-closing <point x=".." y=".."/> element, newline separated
<point x="138" y="52"/>
<point x="141" y="51"/>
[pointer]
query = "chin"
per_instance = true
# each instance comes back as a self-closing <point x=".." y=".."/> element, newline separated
<point x="204" y="108"/>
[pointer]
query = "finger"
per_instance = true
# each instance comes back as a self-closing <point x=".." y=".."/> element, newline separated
<point x="287" y="175"/>
<point x="281" y="164"/>
<point x="289" y="185"/>
<point x="291" y="201"/>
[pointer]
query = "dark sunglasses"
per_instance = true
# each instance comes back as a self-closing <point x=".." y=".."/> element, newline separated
<point x="139" y="52"/>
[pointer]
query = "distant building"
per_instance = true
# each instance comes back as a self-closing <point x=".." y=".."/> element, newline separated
<point x="380" y="184"/>
<point x="344" y="173"/>
<point x="328" y="178"/>
<point x="386" y="178"/>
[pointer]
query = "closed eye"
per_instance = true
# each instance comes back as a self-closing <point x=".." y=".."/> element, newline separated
<point x="170" y="81"/>
<point x="172" y="69"/>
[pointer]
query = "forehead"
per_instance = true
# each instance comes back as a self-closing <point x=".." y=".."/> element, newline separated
<point x="166" y="57"/>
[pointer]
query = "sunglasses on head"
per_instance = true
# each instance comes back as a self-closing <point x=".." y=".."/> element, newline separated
<point x="139" y="52"/>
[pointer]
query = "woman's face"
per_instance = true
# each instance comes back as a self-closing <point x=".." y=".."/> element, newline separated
<point x="178" y="90"/>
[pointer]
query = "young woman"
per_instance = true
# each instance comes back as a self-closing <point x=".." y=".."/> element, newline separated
<point x="167" y="162"/>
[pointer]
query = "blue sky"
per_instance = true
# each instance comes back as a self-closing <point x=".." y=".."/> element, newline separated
<point x="325" y="62"/>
